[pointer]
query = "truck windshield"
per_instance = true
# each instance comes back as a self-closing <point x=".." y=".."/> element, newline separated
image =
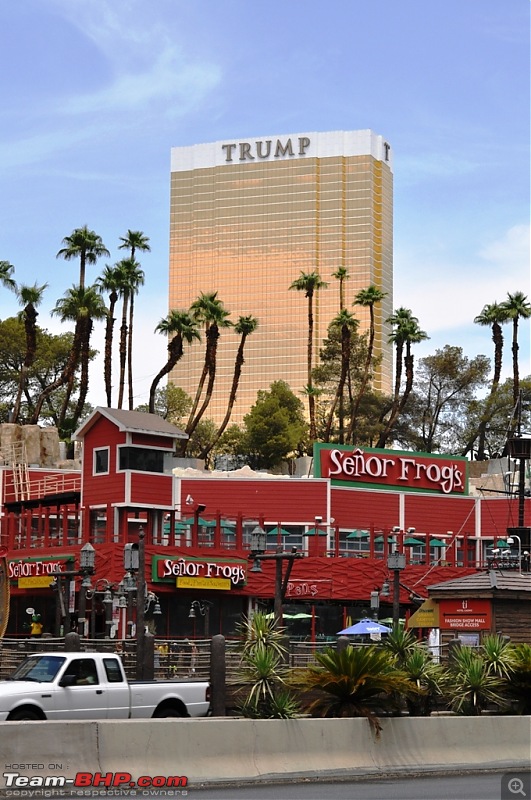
<point x="38" y="668"/>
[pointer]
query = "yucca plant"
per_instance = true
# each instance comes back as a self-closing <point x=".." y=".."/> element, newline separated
<point x="475" y="688"/>
<point x="498" y="655"/>
<point x="354" y="682"/>
<point x="259" y="630"/>
<point x="401" y="643"/>
<point x="263" y="670"/>
<point x="430" y="679"/>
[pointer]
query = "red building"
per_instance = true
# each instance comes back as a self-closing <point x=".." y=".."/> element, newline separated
<point x="196" y="532"/>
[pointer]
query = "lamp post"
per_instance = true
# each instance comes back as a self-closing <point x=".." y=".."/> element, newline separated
<point x="258" y="546"/>
<point x="396" y="562"/>
<point x="198" y="510"/>
<point x="201" y="607"/>
<point x="87" y="560"/>
<point x="107" y="590"/>
<point x="140" y="606"/>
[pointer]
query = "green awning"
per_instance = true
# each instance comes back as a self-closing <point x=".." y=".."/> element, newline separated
<point x="411" y="541"/>
<point x="358" y="534"/>
<point x="276" y="531"/>
<point x="200" y="521"/>
<point x="380" y="539"/>
<point x="315" y="532"/>
<point x="437" y="543"/>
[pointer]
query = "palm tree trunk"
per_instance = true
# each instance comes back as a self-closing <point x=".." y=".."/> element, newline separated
<point x="107" y="367"/>
<point x="130" y="351"/>
<point x="238" y="364"/>
<point x="212" y="343"/>
<point x="311" y="398"/>
<point x="175" y="352"/>
<point x="123" y="350"/>
<point x="345" y="363"/>
<point x="68" y="371"/>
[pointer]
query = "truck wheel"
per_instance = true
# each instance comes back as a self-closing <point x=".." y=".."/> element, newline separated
<point x="24" y="714"/>
<point x="163" y="713"/>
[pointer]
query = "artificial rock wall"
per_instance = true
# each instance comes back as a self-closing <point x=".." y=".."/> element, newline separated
<point x="29" y="444"/>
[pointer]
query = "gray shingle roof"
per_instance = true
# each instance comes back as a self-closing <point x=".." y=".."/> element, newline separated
<point x="482" y="581"/>
<point x="137" y="421"/>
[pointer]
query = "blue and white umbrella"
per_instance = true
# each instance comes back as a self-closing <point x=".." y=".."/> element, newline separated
<point x="364" y="626"/>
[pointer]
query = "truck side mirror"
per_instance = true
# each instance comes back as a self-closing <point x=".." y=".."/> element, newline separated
<point x="68" y="680"/>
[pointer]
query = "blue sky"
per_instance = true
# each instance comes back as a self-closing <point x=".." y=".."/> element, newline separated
<point x="94" y="93"/>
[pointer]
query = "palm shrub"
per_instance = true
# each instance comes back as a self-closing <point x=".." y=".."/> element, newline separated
<point x="263" y="670"/>
<point x="400" y="643"/>
<point x="353" y="682"/>
<point x="518" y="685"/>
<point x="430" y="678"/>
<point x="475" y="687"/>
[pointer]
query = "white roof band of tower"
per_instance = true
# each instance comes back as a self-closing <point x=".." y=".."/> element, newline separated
<point x="282" y="147"/>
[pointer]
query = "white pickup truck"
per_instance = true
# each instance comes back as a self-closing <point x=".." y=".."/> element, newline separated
<point x="93" y="686"/>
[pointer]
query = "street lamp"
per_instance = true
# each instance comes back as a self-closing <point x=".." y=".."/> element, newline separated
<point x="258" y="547"/>
<point x="201" y="607"/>
<point x="396" y="562"/>
<point x="87" y="561"/>
<point x="104" y="587"/>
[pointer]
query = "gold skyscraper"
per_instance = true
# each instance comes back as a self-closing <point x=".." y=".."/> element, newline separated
<point x="247" y="217"/>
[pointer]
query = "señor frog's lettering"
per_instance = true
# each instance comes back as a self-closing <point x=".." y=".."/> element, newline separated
<point x="414" y="471"/>
<point x="192" y="568"/>
<point x="33" y="569"/>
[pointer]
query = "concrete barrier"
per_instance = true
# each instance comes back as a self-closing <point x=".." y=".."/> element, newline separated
<point x="218" y="750"/>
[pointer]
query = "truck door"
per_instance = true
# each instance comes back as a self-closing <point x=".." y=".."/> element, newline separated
<point x="119" y="700"/>
<point x="86" y="696"/>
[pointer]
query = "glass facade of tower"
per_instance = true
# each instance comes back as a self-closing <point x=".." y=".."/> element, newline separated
<point x="248" y="217"/>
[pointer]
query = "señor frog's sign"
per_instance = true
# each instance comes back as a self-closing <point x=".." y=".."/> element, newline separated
<point x="391" y="469"/>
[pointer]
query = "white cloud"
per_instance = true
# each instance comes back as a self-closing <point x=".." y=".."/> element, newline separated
<point x="447" y="296"/>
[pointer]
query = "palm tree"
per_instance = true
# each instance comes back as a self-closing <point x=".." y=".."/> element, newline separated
<point x="348" y="324"/>
<point x="209" y="310"/>
<point x="492" y="315"/>
<point x="81" y="305"/>
<point x="6" y="279"/>
<point x="342" y="275"/>
<point x="133" y="241"/>
<point x="85" y="245"/>
<point x="132" y="276"/>
<point x="111" y="280"/>
<point x="310" y="283"/>
<point x="406" y="332"/>
<point x="244" y="327"/>
<point x="29" y="297"/>
<point x="516" y="307"/>
<point x="136" y="279"/>
<point x="367" y="298"/>
<point x="180" y="327"/>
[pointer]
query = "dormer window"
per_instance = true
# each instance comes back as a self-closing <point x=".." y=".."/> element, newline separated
<point x="101" y="461"/>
